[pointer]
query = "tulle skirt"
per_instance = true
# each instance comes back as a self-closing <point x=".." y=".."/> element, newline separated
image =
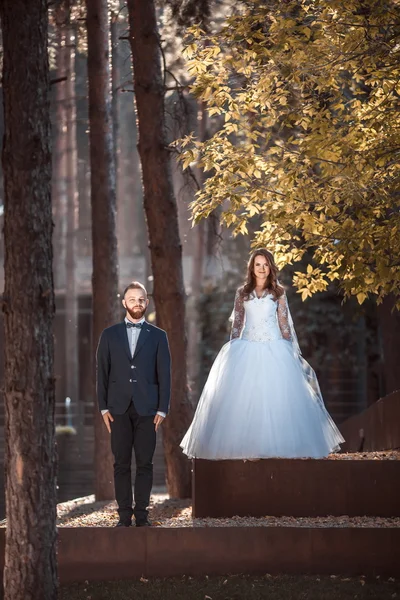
<point x="257" y="403"/>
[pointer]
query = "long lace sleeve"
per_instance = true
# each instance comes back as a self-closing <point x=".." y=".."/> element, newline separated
<point x="238" y="316"/>
<point x="283" y="318"/>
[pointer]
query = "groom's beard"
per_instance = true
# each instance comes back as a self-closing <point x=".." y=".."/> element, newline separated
<point x="136" y="313"/>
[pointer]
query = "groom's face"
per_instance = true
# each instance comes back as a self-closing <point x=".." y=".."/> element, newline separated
<point x="135" y="302"/>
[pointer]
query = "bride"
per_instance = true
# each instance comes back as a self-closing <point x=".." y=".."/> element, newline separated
<point x="261" y="399"/>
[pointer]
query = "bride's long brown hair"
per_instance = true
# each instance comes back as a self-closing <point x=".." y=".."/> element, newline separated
<point x="271" y="283"/>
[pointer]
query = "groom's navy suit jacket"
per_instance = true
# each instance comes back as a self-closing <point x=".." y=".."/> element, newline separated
<point x="144" y="378"/>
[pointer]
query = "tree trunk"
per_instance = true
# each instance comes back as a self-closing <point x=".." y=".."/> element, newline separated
<point x="71" y="300"/>
<point x="104" y="241"/>
<point x="59" y="187"/>
<point x="162" y="221"/>
<point x="115" y="87"/>
<point x="198" y="268"/>
<point x="30" y="557"/>
<point x="389" y="321"/>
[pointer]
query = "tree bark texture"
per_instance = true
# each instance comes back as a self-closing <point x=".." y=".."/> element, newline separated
<point x="71" y="297"/>
<point x="115" y="82"/>
<point x="59" y="184"/>
<point x="28" y="305"/>
<point x="105" y="261"/>
<point x="162" y="222"/>
<point x="198" y="268"/>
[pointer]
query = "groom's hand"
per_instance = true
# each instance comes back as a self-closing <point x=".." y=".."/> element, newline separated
<point x="158" y="419"/>
<point x="107" y="418"/>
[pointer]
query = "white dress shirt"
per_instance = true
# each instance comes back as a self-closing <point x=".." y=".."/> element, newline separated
<point x="133" y="336"/>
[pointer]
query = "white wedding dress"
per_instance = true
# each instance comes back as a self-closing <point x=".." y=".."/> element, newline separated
<point x="261" y="398"/>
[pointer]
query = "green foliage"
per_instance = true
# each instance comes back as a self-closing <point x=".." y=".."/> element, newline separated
<point x="309" y="92"/>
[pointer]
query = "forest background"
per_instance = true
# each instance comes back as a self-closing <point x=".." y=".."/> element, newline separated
<point x="184" y="134"/>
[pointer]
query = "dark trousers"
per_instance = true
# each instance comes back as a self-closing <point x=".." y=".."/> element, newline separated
<point x="128" y="431"/>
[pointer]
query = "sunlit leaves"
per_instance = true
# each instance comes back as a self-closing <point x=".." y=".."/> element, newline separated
<point x="310" y="140"/>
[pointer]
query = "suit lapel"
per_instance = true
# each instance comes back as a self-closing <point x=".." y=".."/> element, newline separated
<point x="123" y="335"/>
<point x="143" y="337"/>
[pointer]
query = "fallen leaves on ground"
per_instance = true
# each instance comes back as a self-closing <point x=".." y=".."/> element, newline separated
<point x="376" y="455"/>
<point x="171" y="512"/>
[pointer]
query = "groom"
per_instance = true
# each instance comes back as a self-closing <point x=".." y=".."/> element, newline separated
<point x="133" y="391"/>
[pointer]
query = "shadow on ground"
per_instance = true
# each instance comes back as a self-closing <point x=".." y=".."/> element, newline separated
<point x="238" y="587"/>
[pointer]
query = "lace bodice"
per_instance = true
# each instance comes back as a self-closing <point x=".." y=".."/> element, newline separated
<point x="260" y="319"/>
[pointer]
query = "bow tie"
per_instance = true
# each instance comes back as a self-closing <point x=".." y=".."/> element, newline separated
<point x="138" y="325"/>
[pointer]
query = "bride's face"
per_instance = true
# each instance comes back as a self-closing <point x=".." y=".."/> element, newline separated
<point x="261" y="267"/>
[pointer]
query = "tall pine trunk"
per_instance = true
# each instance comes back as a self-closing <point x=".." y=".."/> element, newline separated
<point x="30" y="557"/>
<point x="104" y="241"/>
<point x="115" y="81"/>
<point x="59" y="187"/>
<point x="198" y="268"/>
<point x="71" y="294"/>
<point x="162" y="221"/>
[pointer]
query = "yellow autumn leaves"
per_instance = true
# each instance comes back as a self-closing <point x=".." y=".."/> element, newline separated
<point x="310" y="136"/>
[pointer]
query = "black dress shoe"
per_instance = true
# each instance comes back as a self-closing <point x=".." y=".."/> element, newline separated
<point x="144" y="523"/>
<point x="124" y="524"/>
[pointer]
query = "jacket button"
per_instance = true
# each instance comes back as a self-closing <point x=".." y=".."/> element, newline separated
<point x="130" y="381"/>
<point x="132" y="367"/>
